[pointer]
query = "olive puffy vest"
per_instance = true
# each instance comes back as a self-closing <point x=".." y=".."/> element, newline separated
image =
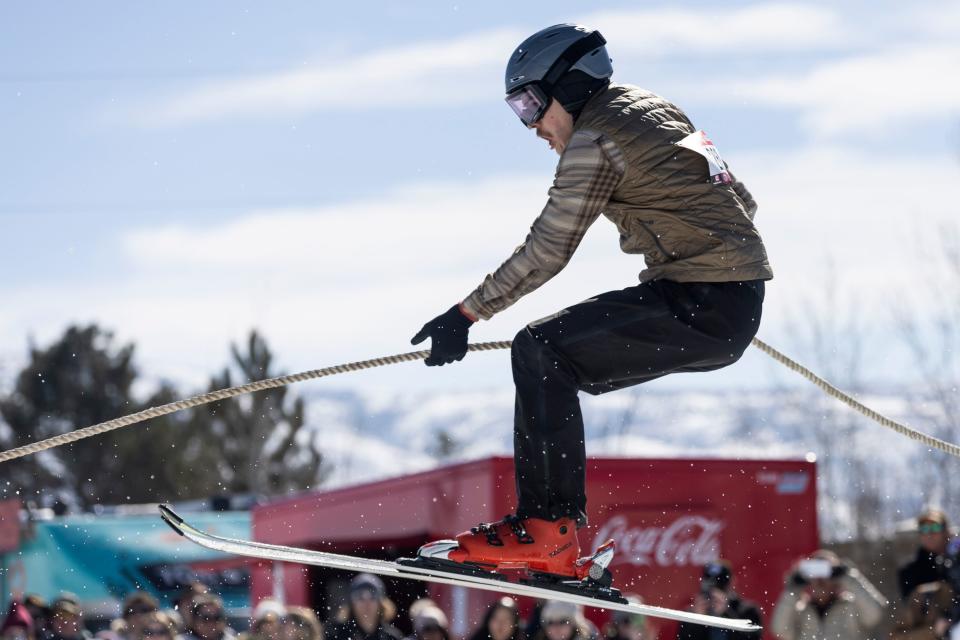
<point x="688" y="228"/>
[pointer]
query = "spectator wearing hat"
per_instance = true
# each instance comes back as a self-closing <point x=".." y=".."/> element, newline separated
<point x="826" y="598"/>
<point x="157" y="625"/>
<point x="429" y="622"/>
<point x="300" y="623"/>
<point x="137" y="607"/>
<point x="563" y="621"/>
<point x="66" y="620"/>
<point x="117" y="630"/>
<point x="265" y="624"/>
<point x="184" y="602"/>
<point x="716" y="597"/>
<point x="501" y="622"/>
<point x="419" y="605"/>
<point x="932" y="562"/>
<point x="18" y="625"/>
<point x="624" y="625"/>
<point x="368" y="612"/>
<point x="208" y="619"/>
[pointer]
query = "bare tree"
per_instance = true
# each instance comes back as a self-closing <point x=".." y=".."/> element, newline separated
<point x="445" y="445"/>
<point x="933" y="338"/>
<point x="832" y="330"/>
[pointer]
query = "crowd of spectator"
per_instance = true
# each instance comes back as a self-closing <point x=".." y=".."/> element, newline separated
<point x="823" y="598"/>
<point x="197" y="615"/>
<point x="826" y="597"/>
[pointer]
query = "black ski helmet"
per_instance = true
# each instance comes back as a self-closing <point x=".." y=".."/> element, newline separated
<point x="566" y="61"/>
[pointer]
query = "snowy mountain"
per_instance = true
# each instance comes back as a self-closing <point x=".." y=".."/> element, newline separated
<point x="369" y="436"/>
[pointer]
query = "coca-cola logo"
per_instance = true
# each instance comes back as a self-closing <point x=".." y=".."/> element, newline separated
<point x="688" y="540"/>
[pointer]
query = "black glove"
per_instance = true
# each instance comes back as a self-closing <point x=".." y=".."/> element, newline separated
<point x="449" y="332"/>
<point x="839" y="571"/>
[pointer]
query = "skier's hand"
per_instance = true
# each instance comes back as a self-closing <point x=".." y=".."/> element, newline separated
<point x="700" y="604"/>
<point x="719" y="602"/>
<point x="449" y="337"/>
<point x="941" y="626"/>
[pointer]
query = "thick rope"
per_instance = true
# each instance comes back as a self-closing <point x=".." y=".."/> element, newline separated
<point x="223" y="394"/>
<point x="829" y="389"/>
<point x="272" y="383"/>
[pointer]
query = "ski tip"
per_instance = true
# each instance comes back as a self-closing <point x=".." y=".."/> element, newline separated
<point x="172" y="526"/>
<point x="749" y="626"/>
<point x="169" y="516"/>
<point x="167" y="512"/>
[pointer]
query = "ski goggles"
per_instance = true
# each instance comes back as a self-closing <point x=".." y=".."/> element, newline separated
<point x="931" y="527"/>
<point x="529" y="102"/>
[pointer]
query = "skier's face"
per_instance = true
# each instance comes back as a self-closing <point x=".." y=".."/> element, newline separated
<point x="556" y="127"/>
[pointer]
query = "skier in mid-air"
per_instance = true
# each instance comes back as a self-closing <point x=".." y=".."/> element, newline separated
<point x="636" y="158"/>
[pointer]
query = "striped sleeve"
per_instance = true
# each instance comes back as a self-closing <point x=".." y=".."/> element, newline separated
<point x="589" y="171"/>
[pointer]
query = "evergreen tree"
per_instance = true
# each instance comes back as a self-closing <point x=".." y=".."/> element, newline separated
<point x="79" y="380"/>
<point x="257" y="443"/>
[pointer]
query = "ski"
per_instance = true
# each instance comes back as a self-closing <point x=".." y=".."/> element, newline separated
<point x="411" y="570"/>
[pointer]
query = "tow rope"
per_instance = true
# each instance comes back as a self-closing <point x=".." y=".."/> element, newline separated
<point x="280" y="381"/>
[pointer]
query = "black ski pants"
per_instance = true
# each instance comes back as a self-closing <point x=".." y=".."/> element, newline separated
<point x="615" y="340"/>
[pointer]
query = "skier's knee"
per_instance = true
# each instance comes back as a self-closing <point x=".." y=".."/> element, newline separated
<point x="524" y="343"/>
<point x="527" y="353"/>
<point x="729" y="353"/>
<point x="738" y="347"/>
<point x="534" y="357"/>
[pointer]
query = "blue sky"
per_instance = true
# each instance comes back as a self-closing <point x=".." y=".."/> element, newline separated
<point x="338" y="174"/>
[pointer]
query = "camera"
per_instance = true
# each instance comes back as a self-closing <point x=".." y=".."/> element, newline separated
<point x="815" y="569"/>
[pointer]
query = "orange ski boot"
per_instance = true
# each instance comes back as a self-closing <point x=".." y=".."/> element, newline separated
<point x="531" y="544"/>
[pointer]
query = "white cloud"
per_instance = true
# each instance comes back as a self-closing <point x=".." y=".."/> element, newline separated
<point x="443" y="72"/>
<point x="868" y="92"/>
<point x="867" y="213"/>
<point x="340" y="244"/>
<point x="768" y="27"/>
<point x="905" y="63"/>
<point x="468" y="68"/>
<point x="937" y="19"/>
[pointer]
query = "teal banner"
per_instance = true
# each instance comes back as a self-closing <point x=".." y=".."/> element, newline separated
<point x="104" y="558"/>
